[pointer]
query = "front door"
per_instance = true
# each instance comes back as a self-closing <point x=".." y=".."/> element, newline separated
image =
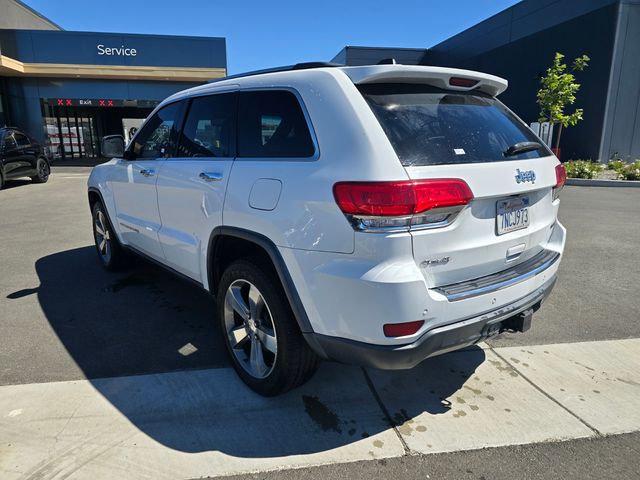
<point x="191" y="185"/>
<point x="134" y="186"/>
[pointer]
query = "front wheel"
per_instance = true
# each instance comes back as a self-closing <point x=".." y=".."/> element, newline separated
<point x="43" y="170"/>
<point x="260" y="331"/>
<point x="111" y="254"/>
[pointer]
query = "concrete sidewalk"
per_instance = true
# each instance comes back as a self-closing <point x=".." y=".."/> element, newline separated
<point x="206" y="423"/>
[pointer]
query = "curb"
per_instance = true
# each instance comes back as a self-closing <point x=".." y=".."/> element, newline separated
<point x="585" y="182"/>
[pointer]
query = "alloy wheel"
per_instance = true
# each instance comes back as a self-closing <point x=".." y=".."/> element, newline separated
<point x="250" y="329"/>
<point x="103" y="236"/>
<point x="43" y="171"/>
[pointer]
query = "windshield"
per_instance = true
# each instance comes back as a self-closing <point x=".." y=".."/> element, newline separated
<point x="430" y="126"/>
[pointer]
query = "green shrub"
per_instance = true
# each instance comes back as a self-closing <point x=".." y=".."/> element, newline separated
<point x="617" y="166"/>
<point x="631" y="171"/>
<point x="583" y="168"/>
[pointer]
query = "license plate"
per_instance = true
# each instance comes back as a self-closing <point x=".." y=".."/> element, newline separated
<point x="512" y="214"/>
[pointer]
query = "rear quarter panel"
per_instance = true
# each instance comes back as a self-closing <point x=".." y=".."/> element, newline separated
<point x="350" y="146"/>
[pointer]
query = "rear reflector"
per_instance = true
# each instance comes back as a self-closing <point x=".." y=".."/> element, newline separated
<point x="400" y="198"/>
<point x="402" y="329"/>
<point x="462" y="82"/>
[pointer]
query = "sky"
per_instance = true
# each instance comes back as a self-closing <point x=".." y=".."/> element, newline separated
<point x="263" y="34"/>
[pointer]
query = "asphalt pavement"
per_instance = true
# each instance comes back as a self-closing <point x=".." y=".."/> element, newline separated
<point x="63" y="318"/>
<point x="597" y="294"/>
<point x="616" y="457"/>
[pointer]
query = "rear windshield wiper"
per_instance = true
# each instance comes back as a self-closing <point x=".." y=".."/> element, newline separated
<point x="521" y="147"/>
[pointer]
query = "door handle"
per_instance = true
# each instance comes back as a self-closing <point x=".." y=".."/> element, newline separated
<point x="147" y="172"/>
<point x="211" y="176"/>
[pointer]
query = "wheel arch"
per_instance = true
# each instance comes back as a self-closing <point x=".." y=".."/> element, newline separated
<point x="219" y="244"/>
<point x="95" y="195"/>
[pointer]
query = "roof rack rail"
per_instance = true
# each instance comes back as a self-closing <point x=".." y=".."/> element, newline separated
<point x="286" y="68"/>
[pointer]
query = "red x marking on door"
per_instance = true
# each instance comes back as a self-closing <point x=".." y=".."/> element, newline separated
<point x="110" y="103"/>
<point x="102" y="103"/>
<point x="60" y="102"/>
<point x="68" y="103"/>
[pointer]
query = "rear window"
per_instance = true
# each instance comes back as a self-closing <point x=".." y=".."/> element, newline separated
<point x="271" y="125"/>
<point x="430" y="126"/>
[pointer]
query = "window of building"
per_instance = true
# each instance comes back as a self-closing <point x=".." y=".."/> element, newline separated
<point x="157" y="137"/>
<point x="209" y="129"/>
<point x="271" y="124"/>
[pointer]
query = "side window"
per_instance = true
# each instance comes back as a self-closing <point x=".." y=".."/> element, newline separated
<point x="157" y="137"/>
<point x="271" y="124"/>
<point x="21" y="139"/>
<point x="209" y="129"/>
<point x="9" y="141"/>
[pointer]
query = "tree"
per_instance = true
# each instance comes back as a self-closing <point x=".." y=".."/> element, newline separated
<point x="558" y="90"/>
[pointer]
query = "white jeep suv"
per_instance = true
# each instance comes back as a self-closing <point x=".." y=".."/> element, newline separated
<point x="373" y="215"/>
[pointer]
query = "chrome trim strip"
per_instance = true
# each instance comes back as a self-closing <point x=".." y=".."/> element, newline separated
<point x="357" y="221"/>
<point x="497" y="281"/>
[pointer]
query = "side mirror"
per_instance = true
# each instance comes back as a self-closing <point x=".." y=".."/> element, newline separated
<point x="112" y="146"/>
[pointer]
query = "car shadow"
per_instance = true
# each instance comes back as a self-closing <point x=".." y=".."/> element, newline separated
<point x="148" y="342"/>
<point x="8" y="184"/>
<point x="140" y="321"/>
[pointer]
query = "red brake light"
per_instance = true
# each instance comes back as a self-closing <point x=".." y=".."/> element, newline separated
<point x="462" y="82"/>
<point x="561" y="175"/>
<point x="400" y="198"/>
<point x="401" y="329"/>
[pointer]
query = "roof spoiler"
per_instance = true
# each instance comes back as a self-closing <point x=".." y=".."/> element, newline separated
<point x="440" y="77"/>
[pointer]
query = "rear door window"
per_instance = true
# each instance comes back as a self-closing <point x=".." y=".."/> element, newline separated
<point x="430" y="126"/>
<point x="21" y="139"/>
<point x="271" y="124"/>
<point x="209" y="128"/>
<point x="9" y="141"/>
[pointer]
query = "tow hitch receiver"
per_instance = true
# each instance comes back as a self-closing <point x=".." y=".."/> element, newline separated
<point x="518" y="323"/>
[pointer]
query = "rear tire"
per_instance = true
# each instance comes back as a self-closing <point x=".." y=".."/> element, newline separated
<point x="111" y="254"/>
<point x="1" y="181"/>
<point x="260" y="331"/>
<point x="44" y="171"/>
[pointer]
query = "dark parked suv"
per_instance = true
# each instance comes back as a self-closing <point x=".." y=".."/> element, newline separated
<point x="20" y="156"/>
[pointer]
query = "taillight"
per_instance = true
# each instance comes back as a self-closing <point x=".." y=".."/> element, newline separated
<point x="389" y="206"/>
<point x="401" y="329"/>
<point x="462" y="82"/>
<point x="561" y="178"/>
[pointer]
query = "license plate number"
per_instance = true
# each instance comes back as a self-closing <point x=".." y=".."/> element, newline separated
<point x="512" y="214"/>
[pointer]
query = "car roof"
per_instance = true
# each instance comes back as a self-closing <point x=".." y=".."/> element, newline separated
<point x="389" y="73"/>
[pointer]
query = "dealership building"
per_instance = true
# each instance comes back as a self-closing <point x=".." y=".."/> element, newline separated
<point x="519" y="44"/>
<point x="69" y="89"/>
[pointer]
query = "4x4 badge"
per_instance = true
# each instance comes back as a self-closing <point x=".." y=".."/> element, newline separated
<point x="435" y="261"/>
<point x="523" y="176"/>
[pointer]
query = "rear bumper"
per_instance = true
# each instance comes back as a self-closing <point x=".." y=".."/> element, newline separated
<point x="515" y="316"/>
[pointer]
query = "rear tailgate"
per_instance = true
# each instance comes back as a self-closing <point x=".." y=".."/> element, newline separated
<point x="447" y="124"/>
<point x="471" y="243"/>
